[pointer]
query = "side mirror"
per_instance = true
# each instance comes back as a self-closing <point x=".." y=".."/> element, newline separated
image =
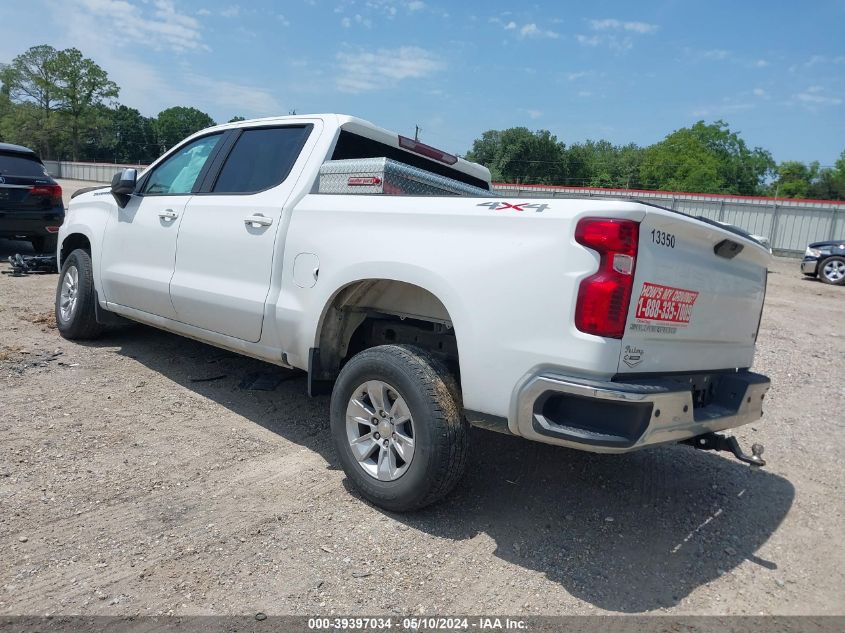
<point x="123" y="185"/>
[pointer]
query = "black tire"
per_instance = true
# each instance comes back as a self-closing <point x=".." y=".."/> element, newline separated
<point x="440" y="432"/>
<point x="81" y="322"/>
<point x="836" y="280"/>
<point x="44" y="245"/>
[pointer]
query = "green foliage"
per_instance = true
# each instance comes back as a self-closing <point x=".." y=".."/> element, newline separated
<point x="235" y="119"/>
<point x="31" y="81"/>
<point x="520" y="155"/>
<point x="706" y="158"/>
<point x="602" y="164"/>
<point x="174" y="124"/>
<point x="81" y="85"/>
<point x="799" y="180"/>
<point x="60" y="103"/>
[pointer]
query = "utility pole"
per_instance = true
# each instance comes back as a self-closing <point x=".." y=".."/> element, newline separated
<point x="417" y="132"/>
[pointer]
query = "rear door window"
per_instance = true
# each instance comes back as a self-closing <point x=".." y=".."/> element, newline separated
<point x="13" y="164"/>
<point x="261" y="158"/>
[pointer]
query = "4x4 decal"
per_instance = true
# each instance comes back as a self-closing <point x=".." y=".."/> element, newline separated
<point x="518" y="206"/>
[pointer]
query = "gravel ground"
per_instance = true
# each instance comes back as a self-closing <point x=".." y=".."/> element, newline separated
<point x="131" y="484"/>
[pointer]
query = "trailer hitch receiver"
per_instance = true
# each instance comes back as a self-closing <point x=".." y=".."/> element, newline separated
<point x="716" y="442"/>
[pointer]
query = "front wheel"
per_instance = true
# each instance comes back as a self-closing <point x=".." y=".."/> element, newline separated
<point x="832" y="270"/>
<point x="398" y="428"/>
<point x="75" y="297"/>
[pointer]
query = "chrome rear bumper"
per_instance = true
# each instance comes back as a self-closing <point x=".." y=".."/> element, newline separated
<point x="617" y="417"/>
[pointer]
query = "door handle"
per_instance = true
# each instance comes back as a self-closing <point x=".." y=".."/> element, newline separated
<point x="168" y="215"/>
<point x="257" y="220"/>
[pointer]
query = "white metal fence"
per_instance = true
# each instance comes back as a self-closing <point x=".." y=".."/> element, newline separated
<point x="95" y="172"/>
<point x="789" y="224"/>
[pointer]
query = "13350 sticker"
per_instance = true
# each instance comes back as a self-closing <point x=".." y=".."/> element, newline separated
<point x="665" y="304"/>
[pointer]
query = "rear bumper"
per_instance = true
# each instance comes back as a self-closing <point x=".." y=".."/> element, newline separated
<point x="30" y="223"/>
<point x="616" y="417"/>
<point x="809" y="266"/>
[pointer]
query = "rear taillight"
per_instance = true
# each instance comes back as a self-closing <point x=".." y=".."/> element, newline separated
<point x="53" y="192"/>
<point x="603" y="297"/>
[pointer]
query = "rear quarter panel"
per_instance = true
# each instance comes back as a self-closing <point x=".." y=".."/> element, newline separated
<point x="508" y="278"/>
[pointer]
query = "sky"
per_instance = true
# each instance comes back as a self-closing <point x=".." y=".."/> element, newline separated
<point x="623" y="71"/>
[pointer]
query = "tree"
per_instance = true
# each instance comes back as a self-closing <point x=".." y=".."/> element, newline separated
<point x="707" y="158"/>
<point x="519" y="155"/>
<point x="602" y="164"/>
<point x="237" y="118"/>
<point x="31" y="78"/>
<point x="799" y="180"/>
<point x="794" y="179"/>
<point x="128" y="136"/>
<point x="174" y="124"/>
<point x="80" y="86"/>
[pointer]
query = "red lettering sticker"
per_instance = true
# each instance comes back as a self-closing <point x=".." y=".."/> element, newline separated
<point x="665" y="304"/>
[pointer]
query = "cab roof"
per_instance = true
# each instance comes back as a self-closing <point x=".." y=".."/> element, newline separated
<point x="363" y="128"/>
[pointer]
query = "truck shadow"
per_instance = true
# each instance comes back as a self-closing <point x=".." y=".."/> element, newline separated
<point x="628" y="533"/>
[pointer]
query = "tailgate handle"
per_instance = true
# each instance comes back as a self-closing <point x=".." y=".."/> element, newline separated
<point x="728" y="249"/>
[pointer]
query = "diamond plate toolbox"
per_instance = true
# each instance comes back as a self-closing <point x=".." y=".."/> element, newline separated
<point x="386" y="176"/>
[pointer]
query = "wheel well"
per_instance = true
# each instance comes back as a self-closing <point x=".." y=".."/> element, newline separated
<point x="381" y="312"/>
<point x="71" y="243"/>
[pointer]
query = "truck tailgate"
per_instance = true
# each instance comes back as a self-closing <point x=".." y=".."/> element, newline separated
<point x="697" y="297"/>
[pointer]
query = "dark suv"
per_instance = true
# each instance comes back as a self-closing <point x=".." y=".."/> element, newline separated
<point x="31" y="205"/>
<point x="825" y="260"/>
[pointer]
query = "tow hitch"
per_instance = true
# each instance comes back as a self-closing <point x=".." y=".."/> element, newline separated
<point x="716" y="442"/>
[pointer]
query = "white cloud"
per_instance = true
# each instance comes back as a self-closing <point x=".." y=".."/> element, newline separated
<point x="761" y="63"/>
<point x="510" y="26"/>
<point x="358" y="19"/>
<point x="591" y="40"/>
<point x="231" y="11"/>
<point x="159" y="26"/>
<point x="145" y="87"/>
<point x="725" y="108"/>
<point x="813" y="97"/>
<point x="816" y="60"/>
<point x="610" y="24"/>
<point x="716" y="54"/>
<point x="203" y="12"/>
<point x="532" y="30"/>
<point x="615" y="34"/>
<point x="415" y="5"/>
<point x="236" y="97"/>
<point x="534" y="114"/>
<point x="578" y="75"/>
<point x="759" y="92"/>
<point x="394" y="65"/>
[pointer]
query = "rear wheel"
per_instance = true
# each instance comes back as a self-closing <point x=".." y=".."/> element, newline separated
<point x="75" y="298"/>
<point x="832" y="270"/>
<point x="397" y="427"/>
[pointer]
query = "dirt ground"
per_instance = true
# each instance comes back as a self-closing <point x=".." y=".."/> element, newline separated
<point x="137" y="477"/>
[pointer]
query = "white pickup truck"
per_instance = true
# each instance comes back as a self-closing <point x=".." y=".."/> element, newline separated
<point x="391" y="273"/>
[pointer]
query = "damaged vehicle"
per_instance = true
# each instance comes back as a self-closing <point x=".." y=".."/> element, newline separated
<point x="391" y="273"/>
